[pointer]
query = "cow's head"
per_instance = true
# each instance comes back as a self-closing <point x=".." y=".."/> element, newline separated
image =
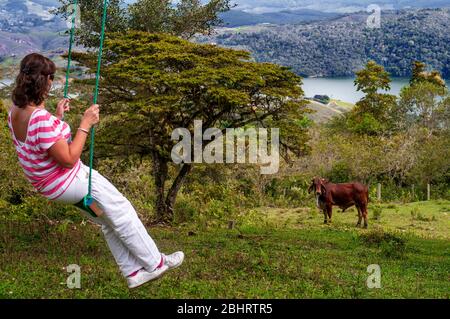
<point x="318" y="185"/>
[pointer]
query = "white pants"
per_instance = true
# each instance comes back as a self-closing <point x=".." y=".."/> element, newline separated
<point x="127" y="238"/>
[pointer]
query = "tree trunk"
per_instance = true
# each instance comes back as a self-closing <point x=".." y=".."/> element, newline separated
<point x="165" y="202"/>
<point x="173" y="191"/>
<point x="160" y="176"/>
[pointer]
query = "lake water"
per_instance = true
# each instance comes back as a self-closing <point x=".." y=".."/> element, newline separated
<point x="4" y="82"/>
<point x="344" y="88"/>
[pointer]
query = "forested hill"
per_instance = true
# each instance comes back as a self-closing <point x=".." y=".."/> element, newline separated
<point x="342" y="46"/>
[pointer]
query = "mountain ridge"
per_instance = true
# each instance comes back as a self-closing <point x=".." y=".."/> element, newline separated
<point x="312" y="43"/>
<point x="342" y="46"/>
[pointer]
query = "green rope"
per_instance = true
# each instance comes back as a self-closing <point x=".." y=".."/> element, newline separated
<point x="97" y="85"/>
<point x="97" y="80"/>
<point x="69" y="57"/>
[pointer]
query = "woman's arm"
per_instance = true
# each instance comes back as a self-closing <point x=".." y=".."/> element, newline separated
<point x="68" y="155"/>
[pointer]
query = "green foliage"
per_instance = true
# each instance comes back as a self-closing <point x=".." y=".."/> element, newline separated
<point x="91" y="12"/>
<point x="185" y="19"/>
<point x="186" y="210"/>
<point x="398" y="143"/>
<point x="426" y="104"/>
<point x="324" y="99"/>
<point x="372" y="79"/>
<point x="364" y="124"/>
<point x="371" y="116"/>
<point x="288" y="191"/>
<point x="391" y="245"/>
<point x="304" y="123"/>
<point x="418" y="70"/>
<point x="213" y="195"/>
<point x="434" y="161"/>
<point x="153" y="84"/>
<point x="13" y="186"/>
<point x="417" y="215"/>
<point x="392" y="249"/>
<point x="377" y="212"/>
<point x="340" y="172"/>
<point x="419" y="75"/>
<point x="398" y="162"/>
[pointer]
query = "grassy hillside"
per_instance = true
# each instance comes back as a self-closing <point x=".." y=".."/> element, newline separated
<point x="272" y="257"/>
<point x="14" y="44"/>
<point x="322" y="113"/>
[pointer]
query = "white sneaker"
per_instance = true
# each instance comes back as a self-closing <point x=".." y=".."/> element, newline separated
<point x="173" y="260"/>
<point x="143" y="276"/>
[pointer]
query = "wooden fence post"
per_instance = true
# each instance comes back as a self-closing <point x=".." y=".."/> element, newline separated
<point x="379" y="191"/>
<point x="428" y="192"/>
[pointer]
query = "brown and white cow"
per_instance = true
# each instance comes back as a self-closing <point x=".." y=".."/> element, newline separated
<point x="341" y="195"/>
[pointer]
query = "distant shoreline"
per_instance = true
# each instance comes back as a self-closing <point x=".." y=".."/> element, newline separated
<point x="343" y="88"/>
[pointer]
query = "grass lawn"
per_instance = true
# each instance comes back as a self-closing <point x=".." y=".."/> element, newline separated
<point x="425" y="219"/>
<point x="288" y="255"/>
<point x="346" y="105"/>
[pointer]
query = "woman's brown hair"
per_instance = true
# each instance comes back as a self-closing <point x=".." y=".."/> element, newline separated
<point x="32" y="83"/>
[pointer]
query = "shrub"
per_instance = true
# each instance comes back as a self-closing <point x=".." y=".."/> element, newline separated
<point x="377" y="211"/>
<point x="416" y="214"/>
<point x="186" y="209"/>
<point x="392" y="249"/>
<point x="340" y="172"/>
<point x="13" y="185"/>
<point x="391" y="245"/>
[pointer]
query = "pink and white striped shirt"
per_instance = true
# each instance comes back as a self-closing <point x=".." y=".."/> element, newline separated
<point x="48" y="177"/>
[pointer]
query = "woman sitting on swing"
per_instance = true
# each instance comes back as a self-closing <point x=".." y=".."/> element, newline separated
<point x="51" y="161"/>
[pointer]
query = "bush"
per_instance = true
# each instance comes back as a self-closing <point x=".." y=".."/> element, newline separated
<point x="392" y="249"/>
<point x="289" y="191"/>
<point x="377" y="211"/>
<point x="186" y="209"/>
<point x="416" y="214"/>
<point x="367" y="125"/>
<point x="340" y="172"/>
<point x="13" y="185"/>
<point x="391" y="245"/>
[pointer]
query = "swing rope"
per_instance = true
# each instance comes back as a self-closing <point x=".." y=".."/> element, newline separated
<point x="69" y="57"/>
<point x="88" y="201"/>
<point x="97" y="85"/>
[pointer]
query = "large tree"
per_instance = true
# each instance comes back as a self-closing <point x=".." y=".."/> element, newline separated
<point x="371" y="115"/>
<point x="155" y="83"/>
<point x="184" y="19"/>
<point x="424" y="103"/>
<point x="420" y="75"/>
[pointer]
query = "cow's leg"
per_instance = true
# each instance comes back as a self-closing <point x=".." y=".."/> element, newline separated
<point x="325" y="216"/>
<point x="359" y="216"/>
<point x="329" y="212"/>
<point x="364" y="213"/>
